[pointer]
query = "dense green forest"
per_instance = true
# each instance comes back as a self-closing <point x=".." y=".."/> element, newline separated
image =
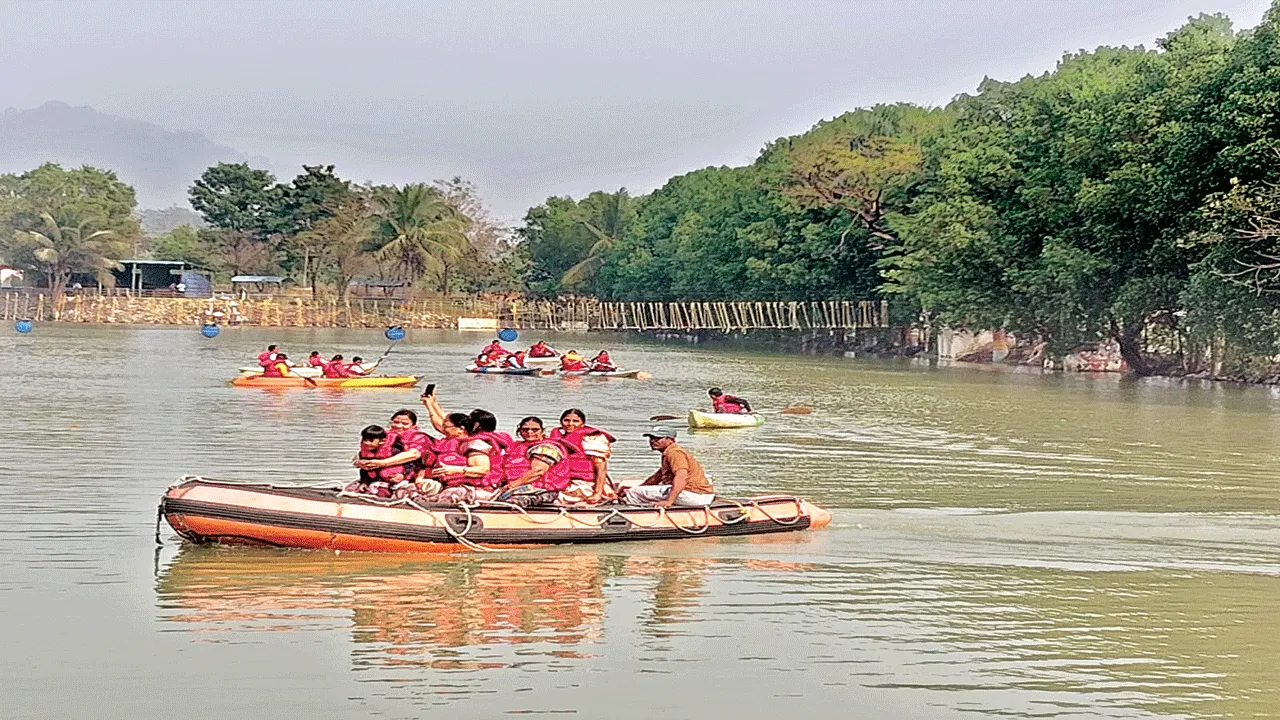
<point x="1130" y="194"/>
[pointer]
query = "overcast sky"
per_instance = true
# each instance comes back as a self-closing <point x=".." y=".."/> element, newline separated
<point x="531" y="99"/>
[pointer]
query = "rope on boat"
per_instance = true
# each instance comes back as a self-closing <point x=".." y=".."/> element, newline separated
<point x="794" y="520"/>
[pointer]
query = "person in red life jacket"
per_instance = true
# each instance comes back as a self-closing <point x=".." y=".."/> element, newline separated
<point x="572" y="362"/>
<point x="723" y="403"/>
<point x="336" y="368"/>
<point x="589" y="459"/>
<point x="265" y="358"/>
<point x="484" y="359"/>
<point x="277" y="367"/>
<point x="376" y="477"/>
<point x="515" y="360"/>
<point x="603" y="363"/>
<point x="410" y="451"/>
<point x="495" y="350"/>
<point x="544" y="472"/>
<point x="469" y="460"/>
<point x="356" y="368"/>
<point x="540" y="349"/>
<point x="315" y="360"/>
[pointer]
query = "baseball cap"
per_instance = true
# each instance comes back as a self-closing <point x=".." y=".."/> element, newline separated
<point x="661" y="432"/>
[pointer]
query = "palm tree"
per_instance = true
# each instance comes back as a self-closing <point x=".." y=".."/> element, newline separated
<point x="71" y="243"/>
<point x="419" y="232"/>
<point x="610" y="223"/>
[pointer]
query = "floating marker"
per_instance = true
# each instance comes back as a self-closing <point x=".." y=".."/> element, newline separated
<point x="209" y="330"/>
<point x="508" y="335"/>
<point x="24" y="326"/>
<point x="395" y="333"/>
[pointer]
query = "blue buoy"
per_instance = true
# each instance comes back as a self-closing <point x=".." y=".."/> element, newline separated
<point x="508" y="335"/>
<point x="395" y="333"/>
<point x="24" y="326"/>
<point x="209" y="330"/>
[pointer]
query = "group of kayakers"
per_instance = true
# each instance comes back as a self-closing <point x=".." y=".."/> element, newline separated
<point x="474" y="461"/>
<point x="496" y="356"/>
<point x="277" y="364"/>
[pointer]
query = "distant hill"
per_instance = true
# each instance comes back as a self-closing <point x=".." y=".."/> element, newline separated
<point x="160" y="164"/>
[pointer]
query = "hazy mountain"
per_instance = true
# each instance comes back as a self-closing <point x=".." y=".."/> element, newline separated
<point x="159" y="163"/>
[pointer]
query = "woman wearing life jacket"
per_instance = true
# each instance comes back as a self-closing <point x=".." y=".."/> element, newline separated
<point x="603" y="363"/>
<point x="572" y="362"/>
<point x="723" y="403"/>
<point x="515" y="360"/>
<point x="314" y="360"/>
<point x="412" y="450"/>
<point x="278" y="367"/>
<point x="536" y="467"/>
<point x="589" y="462"/>
<point x="469" y="458"/>
<point x="540" y="349"/>
<point x="495" y="350"/>
<point x="335" y="368"/>
<point x="265" y="358"/>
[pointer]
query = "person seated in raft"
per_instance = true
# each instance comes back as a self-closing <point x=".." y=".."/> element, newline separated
<point x="536" y="467"/>
<point x="265" y="358"/>
<point x="723" y="403"/>
<point x="315" y="360"/>
<point x="603" y="363"/>
<point x="515" y="360"/>
<point x="589" y="459"/>
<point x="540" y="349"/>
<point x="469" y="458"/>
<point x="336" y="368"/>
<point x="277" y="367"/>
<point x="679" y="479"/>
<point x="572" y="362"/>
<point x="376" y="477"/>
<point x="409" y="449"/>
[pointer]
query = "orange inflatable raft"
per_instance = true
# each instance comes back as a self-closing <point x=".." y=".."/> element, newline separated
<point x="204" y="510"/>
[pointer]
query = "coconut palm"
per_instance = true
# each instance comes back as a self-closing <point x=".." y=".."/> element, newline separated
<point x="72" y="243"/>
<point x="607" y="217"/>
<point x="419" y="232"/>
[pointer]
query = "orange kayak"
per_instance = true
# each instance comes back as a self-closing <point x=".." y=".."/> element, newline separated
<point x="293" y="381"/>
<point x="204" y="510"/>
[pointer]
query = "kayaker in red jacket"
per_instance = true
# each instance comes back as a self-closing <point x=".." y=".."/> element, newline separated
<point x="572" y="362"/>
<point x="278" y="367"/>
<point x="515" y="360"/>
<point x="603" y="363"/>
<point x="265" y="358"/>
<point x="315" y="360"/>
<point x="540" y="349"/>
<point x="335" y="368"/>
<point x="722" y="403"/>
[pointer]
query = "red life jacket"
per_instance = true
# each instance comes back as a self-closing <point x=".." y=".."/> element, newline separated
<point x="727" y="404"/>
<point x="580" y="464"/>
<point x="541" y="350"/>
<point x="411" y="439"/>
<point x="571" y="365"/>
<point x="265" y="358"/>
<point x="336" y="369"/>
<point x="515" y="360"/>
<point x="275" y="369"/>
<point x="316" y="361"/>
<point x="454" y="451"/>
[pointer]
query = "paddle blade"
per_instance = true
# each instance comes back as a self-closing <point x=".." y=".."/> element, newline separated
<point x="796" y="410"/>
<point x="642" y="375"/>
<point x="659" y="418"/>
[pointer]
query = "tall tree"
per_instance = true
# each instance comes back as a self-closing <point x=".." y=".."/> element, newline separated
<point x="66" y="221"/>
<point x="341" y="238"/>
<point x="419" y="232"/>
<point x="311" y="198"/>
<point x="244" y="204"/>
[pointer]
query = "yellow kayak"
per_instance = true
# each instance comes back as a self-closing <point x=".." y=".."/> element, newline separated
<point x="373" y="381"/>
<point x="700" y="419"/>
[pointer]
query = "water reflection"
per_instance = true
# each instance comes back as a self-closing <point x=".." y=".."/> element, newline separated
<point x="418" y="610"/>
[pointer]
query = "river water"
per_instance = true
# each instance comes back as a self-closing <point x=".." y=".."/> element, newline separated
<point x="1009" y="544"/>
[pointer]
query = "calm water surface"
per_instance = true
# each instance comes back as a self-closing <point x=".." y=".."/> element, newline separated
<point x="1004" y="544"/>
